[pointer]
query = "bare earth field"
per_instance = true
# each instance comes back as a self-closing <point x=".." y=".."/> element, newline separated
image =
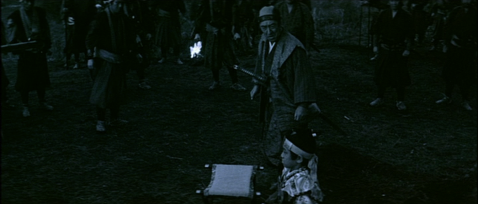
<point x="425" y="155"/>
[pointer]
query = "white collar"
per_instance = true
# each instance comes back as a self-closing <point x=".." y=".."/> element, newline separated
<point x="271" y="45"/>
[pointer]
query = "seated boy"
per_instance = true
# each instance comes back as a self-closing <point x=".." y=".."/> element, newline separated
<point x="298" y="183"/>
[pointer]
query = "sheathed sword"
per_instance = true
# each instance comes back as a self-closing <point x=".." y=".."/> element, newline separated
<point x="20" y="46"/>
<point x="263" y="81"/>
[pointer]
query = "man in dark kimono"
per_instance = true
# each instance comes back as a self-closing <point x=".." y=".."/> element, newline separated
<point x="216" y="17"/>
<point x="140" y="14"/>
<point x="244" y="20"/>
<point x="460" y="41"/>
<point x="438" y="16"/>
<point x="111" y="41"/>
<point x="420" y="19"/>
<point x="5" y="81"/>
<point x="78" y="15"/>
<point x="168" y="27"/>
<point x="29" y="23"/>
<point x="288" y="98"/>
<point x="297" y="20"/>
<point x="393" y="32"/>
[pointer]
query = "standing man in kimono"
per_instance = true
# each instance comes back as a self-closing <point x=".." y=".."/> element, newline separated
<point x="78" y="15"/>
<point x="289" y="96"/>
<point x="216" y="17"/>
<point x="244" y="20"/>
<point x="29" y="24"/>
<point x="5" y="81"/>
<point x="460" y="42"/>
<point x="420" y="19"/>
<point x="111" y="41"/>
<point x="168" y="27"/>
<point x="140" y="14"/>
<point x="438" y="16"/>
<point x="297" y="20"/>
<point x="394" y="34"/>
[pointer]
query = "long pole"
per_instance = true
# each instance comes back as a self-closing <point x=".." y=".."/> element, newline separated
<point x="360" y="26"/>
<point x="368" y="27"/>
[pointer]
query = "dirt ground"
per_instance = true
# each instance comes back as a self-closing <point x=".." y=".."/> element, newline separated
<point x="425" y="155"/>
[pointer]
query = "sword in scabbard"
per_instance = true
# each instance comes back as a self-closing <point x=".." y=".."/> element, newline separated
<point x="261" y="79"/>
<point x="20" y="46"/>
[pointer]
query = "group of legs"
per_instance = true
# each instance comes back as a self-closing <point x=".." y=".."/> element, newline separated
<point x="459" y="70"/>
<point x="41" y="100"/>
<point x="464" y="90"/>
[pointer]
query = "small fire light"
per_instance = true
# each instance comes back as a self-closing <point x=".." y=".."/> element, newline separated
<point x="196" y="49"/>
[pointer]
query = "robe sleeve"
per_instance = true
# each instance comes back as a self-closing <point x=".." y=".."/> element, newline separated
<point x="202" y="19"/>
<point x="303" y="90"/>
<point x="46" y="36"/>
<point x="309" y="26"/>
<point x="92" y="38"/>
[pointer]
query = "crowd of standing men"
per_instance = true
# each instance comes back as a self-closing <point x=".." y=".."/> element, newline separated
<point x="119" y="35"/>
<point x="124" y="34"/>
<point x="116" y="36"/>
<point x="398" y="29"/>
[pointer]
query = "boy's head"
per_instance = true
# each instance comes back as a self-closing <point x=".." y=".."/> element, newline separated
<point x="299" y="148"/>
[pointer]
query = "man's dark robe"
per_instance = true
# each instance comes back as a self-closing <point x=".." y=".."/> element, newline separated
<point x="110" y="73"/>
<point x="83" y="12"/>
<point x="439" y="11"/>
<point x="291" y="82"/>
<point x="219" y="44"/>
<point x="5" y="80"/>
<point x="298" y="22"/>
<point x="420" y="20"/>
<point x="394" y="35"/>
<point x="244" y="20"/>
<point x="32" y="73"/>
<point x="141" y="16"/>
<point x="461" y="29"/>
<point x="167" y="23"/>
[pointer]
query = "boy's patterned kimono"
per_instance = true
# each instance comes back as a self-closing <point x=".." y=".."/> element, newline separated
<point x="296" y="187"/>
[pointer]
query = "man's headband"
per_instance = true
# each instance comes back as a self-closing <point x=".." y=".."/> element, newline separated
<point x="290" y="146"/>
<point x="269" y="13"/>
